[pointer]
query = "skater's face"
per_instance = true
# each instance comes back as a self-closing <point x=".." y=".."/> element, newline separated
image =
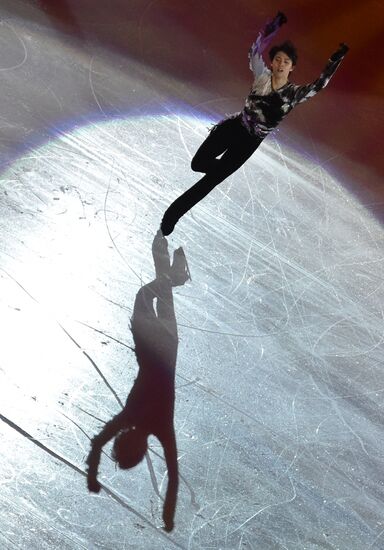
<point x="281" y="66"/>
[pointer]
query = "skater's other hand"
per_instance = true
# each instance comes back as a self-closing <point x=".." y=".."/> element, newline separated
<point x="340" y="52"/>
<point x="279" y="20"/>
<point x="343" y="48"/>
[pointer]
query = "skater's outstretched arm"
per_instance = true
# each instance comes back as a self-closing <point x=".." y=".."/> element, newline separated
<point x="302" y="93"/>
<point x="107" y="433"/>
<point x="256" y="63"/>
<point x="170" y="453"/>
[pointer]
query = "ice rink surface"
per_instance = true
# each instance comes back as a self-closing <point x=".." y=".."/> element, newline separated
<point x="279" y="380"/>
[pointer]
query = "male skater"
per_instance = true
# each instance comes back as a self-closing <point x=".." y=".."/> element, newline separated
<point x="271" y="98"/>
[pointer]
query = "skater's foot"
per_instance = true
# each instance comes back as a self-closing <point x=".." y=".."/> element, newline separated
<point x="167" y="224"/>
<point x="179" y="271"/>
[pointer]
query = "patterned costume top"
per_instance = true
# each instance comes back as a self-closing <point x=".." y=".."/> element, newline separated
<point x="265" y="107"/>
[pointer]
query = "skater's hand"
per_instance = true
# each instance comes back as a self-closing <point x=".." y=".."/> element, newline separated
<point x="277" y="22"/>
<point x="280" y="18"/>
<point x="93" y="485"/>
<point x="340" y="52"/>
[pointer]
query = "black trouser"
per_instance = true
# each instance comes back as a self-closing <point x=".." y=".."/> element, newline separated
<point x="228" y="137"/>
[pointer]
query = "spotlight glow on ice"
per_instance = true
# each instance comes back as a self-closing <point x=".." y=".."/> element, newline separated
<point x="283" y="316"/>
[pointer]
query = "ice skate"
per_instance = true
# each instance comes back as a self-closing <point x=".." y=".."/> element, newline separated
<point x="179" y="272"/>
<point x="167" y="225"/>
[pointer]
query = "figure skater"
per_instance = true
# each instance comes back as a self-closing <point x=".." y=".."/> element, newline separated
<point x="149" y="408"/>
<point x="271" y="98"/>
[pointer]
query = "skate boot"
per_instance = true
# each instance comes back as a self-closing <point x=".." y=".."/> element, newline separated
<point x="179" y="272"/>
<point x="168" y="224"/>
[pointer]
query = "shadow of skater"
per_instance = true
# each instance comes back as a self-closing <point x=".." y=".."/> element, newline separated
<point x="149" y="408"/>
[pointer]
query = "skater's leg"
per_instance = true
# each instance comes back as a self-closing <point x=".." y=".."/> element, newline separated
<point x="146" y="323"/>
<point x="155" y="334"/>
<point x="165" y="306"/>
<point x="231" y="161"/>
<point x="143" y="308"/>
<point x="144" y="311"/>
<point x="178" y="273"/>
<point x="222" y="136"/>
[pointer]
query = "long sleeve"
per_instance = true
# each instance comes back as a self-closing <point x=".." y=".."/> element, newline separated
<point x="107" y="433"/>
<point x="303" y="93"/>
<point x="256" y="62"/>
<point x="170" y="453"/>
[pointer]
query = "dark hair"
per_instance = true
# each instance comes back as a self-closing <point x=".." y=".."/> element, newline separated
<point x="288" y="48"/>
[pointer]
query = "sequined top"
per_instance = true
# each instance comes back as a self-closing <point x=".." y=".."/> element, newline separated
<point x="265" y="107"/>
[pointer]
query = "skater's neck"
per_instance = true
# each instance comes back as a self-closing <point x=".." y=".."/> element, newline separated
<point x="278" y="82"/>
